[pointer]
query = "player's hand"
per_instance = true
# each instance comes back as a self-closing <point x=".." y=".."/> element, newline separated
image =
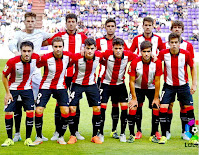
<point x="193" y="89"/>
<point x="82" y="52"/>
<point x="156" y="101"/>
<point x="8" y="98"/>
<point x="155" y="58"/>
<point x="133" y="103"/>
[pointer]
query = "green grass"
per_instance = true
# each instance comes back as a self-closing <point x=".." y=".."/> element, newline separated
<point x="111" y="146"/>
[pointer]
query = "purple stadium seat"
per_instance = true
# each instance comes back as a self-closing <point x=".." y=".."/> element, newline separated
<point x="47" y="4"/>
<point x="29" y="7"/>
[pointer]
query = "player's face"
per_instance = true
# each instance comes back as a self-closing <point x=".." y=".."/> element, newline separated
<point x="174" y="44"/>
<point x="110" y="28"/>
<point x="118" y="50"/>
<point x="177" y="29"/>
<point x="30" y="23"/>
<point x="58" y="49"/>
<point x="146" y="54"/>
<point x="89" y="51"/>
<point x="71" y="24"/>
<point x="148" y="27"/>
<point x="26" y="53"/>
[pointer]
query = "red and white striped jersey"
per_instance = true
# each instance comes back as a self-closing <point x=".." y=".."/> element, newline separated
<point x="54" y="70"/>
<point x="185" y="45"/>
<point x="115" y="68"/>
<point x="20" y="72"/>
<point x="175" y="72"/>
<point x="85" y="70"/>
<point x="145" y="73"/>
<point x="157" y="44"/>
<point x="102" y="45"/>
<point x="72" y="43"/>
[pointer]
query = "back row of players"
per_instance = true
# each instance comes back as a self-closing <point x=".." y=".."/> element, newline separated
<point x="114" y="55"/>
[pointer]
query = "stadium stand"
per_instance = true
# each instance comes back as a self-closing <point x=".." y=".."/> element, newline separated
<point x="93" y="14"/>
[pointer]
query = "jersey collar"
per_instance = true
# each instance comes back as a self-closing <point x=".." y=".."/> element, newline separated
<point x="144" y="36"/>
<point x="109" y="39"/>
<point x="71" y="34"/>
<point x="174" y="54"/>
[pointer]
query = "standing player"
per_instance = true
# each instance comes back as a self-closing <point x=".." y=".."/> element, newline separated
<point x="84" y="81"/>
<point x="20" y="69"/>
<point x="144" y="81"/>
<point x="36" y="36"/>
<point x="112" y="83"/>
<point x="73" y="42"/>
<point x="176" y="81"/>
<point x="53" y="82"/>
<point x="103" y="44"/>
<point x="178" y="27"/>
<point x="148" y="26"/>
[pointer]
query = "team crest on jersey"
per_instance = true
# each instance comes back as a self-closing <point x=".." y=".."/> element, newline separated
<point x="6" y="68"/>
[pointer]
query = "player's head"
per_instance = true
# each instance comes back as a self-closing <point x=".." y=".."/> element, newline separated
<point x="58" y="46"/>
<point x="148" y="25"/>
<point x="110" y="26"/>
<point x="118" y="47"/>
<point x="71" y="22"/>
<point x="174" y="41"/>
<point x="30" y="21"/>
<point x="146" y="50"/>
<point x="177" y="27"/>
<point x="89" y="48"/>
<point x="26" y="48"/>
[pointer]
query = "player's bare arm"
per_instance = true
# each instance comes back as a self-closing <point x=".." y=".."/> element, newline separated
<point x="8" y="95"/>
<point x="133" y="102"/>
<point x="156" y="99"/>
<point x="194" y="79"/>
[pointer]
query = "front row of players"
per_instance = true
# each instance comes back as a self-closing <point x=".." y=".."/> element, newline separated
<point x="144" y="74"/>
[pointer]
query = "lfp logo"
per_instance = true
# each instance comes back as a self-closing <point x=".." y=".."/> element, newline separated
<point x="194" y="129"/>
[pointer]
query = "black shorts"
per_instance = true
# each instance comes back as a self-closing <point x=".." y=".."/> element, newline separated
<point x="60" y="95"/>
<point x="183" y="94"/>
<point x="118" y="93"/>
<point x="91" y="91"/>
<point x="27" y="99"/>
<point x="68" y="81"/>
<point x="141" y="93"/>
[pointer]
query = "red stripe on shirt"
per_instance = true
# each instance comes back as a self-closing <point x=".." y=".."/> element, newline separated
<point x="26" y="74"/>
<point x="144" y="83"/>
<point x="174" y="70"/>
<point x="116" y="70"/>
<point x="89" y="67"/>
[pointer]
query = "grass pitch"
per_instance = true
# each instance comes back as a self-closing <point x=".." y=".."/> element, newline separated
<point x="111" y="146"/>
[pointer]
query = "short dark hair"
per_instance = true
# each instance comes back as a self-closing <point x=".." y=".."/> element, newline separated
<point x="148" y="19"/>
<point x="110" y="20"/>
<point x="118" y="41"/>
<point x="30" y="14"/>
<point x="145" y="44"/>
<point x="57" y="39"/>
<point x="90" y="41"/>
<point x="174" y="35"/>
<point x="177" y="23"/>
<point x="27" y="43"/>
<point x="71" y="15"/>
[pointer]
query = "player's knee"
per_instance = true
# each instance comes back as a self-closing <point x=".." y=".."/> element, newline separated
<point x="96" y="108"/>
<point x="64" y="109"/>
<point x="8" y="113"/>
<point x="39" y="110"/>
<point x="124" y="106"/>
<point x="164" y="106"/>
<point x="72" y="109"/>
<point x="171" y="106"/>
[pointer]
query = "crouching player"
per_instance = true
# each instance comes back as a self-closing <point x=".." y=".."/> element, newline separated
<point x="176" y="82"/>
<point x="112" y="83"/>
<point x="84" y="81"/>
<point x="20" y="69"/>
<point x="144" y="81"/>
<point x="53" y="82"/>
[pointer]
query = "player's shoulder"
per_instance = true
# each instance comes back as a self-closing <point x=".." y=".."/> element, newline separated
<point x="184" y="51"/>
<point x="157" y="36"/>
<point x="158" y="62"/>
<point x="14" y="60"/>
<point x="59" y="34"/>
<point x="136" y="60"/>
<point x="109" y="52"/>
<point x="35" y="56"/>
<point x="98" y="54"/>
<point x="47" y="55"/>
<point x="187" y="42"/>
<point x="82" y="34"/>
